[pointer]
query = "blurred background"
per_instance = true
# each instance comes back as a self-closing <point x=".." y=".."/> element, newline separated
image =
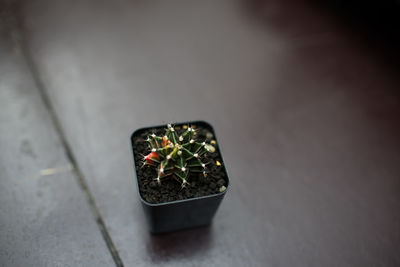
<point x="303" y="96"/>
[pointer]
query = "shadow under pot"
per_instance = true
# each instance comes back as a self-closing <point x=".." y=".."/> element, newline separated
<point x="181" y="176"/>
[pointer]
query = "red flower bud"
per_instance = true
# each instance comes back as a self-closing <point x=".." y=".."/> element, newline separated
<point x="151" y="157"/>
<point x="165" y="142"/>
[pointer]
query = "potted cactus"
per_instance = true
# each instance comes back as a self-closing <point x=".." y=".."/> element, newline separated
<point x="180" y="174"/>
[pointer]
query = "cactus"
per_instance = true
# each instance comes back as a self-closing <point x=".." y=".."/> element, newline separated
<point x="177" y="156"/>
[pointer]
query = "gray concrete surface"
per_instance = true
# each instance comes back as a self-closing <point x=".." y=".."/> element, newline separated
<point x="45" y="219"/>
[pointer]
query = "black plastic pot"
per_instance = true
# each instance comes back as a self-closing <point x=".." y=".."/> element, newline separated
<point x="180" y="214"/>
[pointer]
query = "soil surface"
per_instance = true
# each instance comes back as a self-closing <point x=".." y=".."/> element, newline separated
<point x="170" y="189"/>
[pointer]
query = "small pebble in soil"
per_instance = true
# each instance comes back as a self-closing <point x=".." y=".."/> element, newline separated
<point x="209" y="135"/>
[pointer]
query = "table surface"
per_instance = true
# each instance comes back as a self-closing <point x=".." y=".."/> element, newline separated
<point x="305" y="104"/>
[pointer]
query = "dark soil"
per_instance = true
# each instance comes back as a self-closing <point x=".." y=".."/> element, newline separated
<point x="170" y="189"/>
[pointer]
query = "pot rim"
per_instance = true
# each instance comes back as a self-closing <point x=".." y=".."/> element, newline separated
<point x="182" y="200"/>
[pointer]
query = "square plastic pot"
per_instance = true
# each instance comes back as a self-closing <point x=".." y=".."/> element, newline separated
<point x="180" y="214"/>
